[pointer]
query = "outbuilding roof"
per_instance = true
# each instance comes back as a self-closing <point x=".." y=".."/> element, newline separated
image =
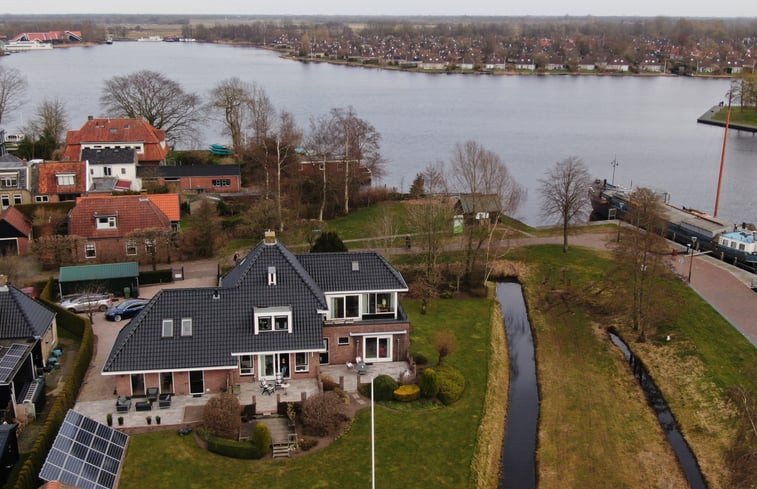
<point x="21" y="316"/>
<point x="98" y="272"/>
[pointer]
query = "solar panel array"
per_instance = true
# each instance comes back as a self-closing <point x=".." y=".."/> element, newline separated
<point x="85" y="453"/>
<point x="9" y="360"/>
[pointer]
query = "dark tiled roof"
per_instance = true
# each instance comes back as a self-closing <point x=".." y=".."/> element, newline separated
<point x="108" y="156"/>
<point x="224" y="325"/>
<point x="21" y="316"/>
<point x="334" y="271"/>
<point x="188" y="171"/>
<point x="470" y="203"/>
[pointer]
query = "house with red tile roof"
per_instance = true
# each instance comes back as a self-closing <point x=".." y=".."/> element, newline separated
<point x="148" y="143"/>
<point x="119" y="228"/>
<point x="53" y="37"/>
<point x="58" y="181"/>
<point x="169" y="204"/>
<point x="15" y="232"/>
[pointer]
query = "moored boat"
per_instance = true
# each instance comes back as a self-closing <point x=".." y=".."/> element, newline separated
<point x="18" y="46"/>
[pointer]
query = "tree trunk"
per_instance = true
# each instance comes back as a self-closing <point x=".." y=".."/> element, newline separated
<point x="278" y="184"/>
<point x="323" y="193"/>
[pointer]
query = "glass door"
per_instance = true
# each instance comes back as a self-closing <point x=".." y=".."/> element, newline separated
<point x="323" y="356"/>
<point x="377" y="349"/>
<point x="196" y="382"/>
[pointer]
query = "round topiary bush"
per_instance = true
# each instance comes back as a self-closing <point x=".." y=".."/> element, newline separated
<point x="429" y="383"/>
<point x="261" y="440"/>
<point x="384" y="387"/>
<point x="407" y="393"/>
<point x="451" y="384"/>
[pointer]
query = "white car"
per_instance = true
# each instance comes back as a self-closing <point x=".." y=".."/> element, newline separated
<point x="87" y="302"/>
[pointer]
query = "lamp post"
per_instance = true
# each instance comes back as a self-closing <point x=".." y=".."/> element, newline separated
<point x="692" y="246"/>
<point x="614" y="163"/>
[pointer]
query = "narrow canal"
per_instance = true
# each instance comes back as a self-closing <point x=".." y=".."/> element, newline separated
<point x="519" y="452"/>
<point x="683" y="452"/>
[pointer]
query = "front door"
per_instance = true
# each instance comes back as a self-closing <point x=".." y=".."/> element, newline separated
<point x="166" y="382"/>
<point x="323" y="357"/>
<point x="196" y="382"/>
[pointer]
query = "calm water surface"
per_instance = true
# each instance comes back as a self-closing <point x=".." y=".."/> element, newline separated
<point x="647" y="123"/>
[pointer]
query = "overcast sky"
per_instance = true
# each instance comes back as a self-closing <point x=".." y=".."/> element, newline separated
<point x="646" y="8"/>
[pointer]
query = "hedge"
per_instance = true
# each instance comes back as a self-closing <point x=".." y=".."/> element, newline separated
<point x="232" y="448"/>
<point x="66" y="398"/>
<point x="156" y="276"/>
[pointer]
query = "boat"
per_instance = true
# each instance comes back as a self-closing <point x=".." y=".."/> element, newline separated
<point x="18" y="46"/>
<point x="723" y="239"/>
<point x="150" y="39"/>
<point x="220" y="150"/>
<point x="109" y="40"/>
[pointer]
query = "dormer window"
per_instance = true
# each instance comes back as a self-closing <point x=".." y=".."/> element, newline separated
<point x="273" y="319"/>
<point x="167" y="329"/>
<point x="271" y="275"/>
<point x="66" y="179"/>
<point x="106" y="222"/>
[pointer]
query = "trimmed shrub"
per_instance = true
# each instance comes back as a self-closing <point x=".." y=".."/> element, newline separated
<point x="261" y="440"/>
<point x="232" y="448"/>
<point x="407" y="393"/>
<point x="306" y="443"/>
<point x="429" y="383"/>
<point x="329" y="384"/>
<point x="420" y="359"/>
<point x="323" y="413"/>
<point x="384" y="387"/>
<point x="221" y="415"/>
<point x="451" y="384"/>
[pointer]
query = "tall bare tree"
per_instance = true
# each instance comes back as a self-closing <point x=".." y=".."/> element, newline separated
<point x="232" y="98"/>
<point x="640" y="265"/>
<point x="434" y="179"/>
<point x="430" y="221"/>
<point x="12" y="88"/>
<point x="281" y="145"/>
<point x="322" y="145"/>
<point x="159" y="100"/>
<point x="51" y="119"/>
<point x="483" y="176"/>
<point x="564" y="193"/>
<point x="262" y="114"/>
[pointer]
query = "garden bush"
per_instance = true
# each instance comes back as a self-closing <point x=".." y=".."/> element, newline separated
<point x="420" y="359"/>
<point x="232" y="448"/>
<point x="306" y="443"/>
<point x="451" y="384"/>
<point x="429" y="383"/>
<point x="261" y="440"/>
<point x="384" y="387"/>
<point x="221" y="415"/>
<point x="323" y="413"/>
<point x="329" y="384"/>
<point x="407" y="393"/>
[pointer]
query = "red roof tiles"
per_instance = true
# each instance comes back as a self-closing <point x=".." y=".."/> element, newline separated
<point x="132" y="212"/>
<point x="49" y="172"/>
<point x="113" y="131"/>
<point x="15" y="218"/>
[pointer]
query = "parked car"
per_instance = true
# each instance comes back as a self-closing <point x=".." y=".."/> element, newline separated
<point x="87" y="302"/>
<point x="126" y="309"/>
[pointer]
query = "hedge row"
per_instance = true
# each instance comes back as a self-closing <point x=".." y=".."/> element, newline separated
<point x="65" y="399"/>
<point x="256" y="448"/>
<point x="155" y="277"/>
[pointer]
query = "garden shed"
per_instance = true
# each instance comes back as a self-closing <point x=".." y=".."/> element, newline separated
<point x="117" y="278"/>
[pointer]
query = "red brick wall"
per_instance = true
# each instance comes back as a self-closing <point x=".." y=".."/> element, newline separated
<point x="347" y="353"/>
<point x="114" y="250"/>
<point x="206" y="184"/>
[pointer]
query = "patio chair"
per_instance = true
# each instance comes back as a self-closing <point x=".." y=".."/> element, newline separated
<point x="266" y="387"/>
<point x="123" y="404"/>
<point x="152" y="394"/>
<point x="164" y="401"/>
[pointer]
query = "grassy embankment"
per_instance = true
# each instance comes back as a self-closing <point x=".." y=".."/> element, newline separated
<point x="413" y="448"/>
<point x="739" y="115"/>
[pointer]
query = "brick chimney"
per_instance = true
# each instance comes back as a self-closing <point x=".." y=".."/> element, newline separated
<point x="270" y="237"/>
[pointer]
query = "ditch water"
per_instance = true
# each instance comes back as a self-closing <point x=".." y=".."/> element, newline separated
<point x="519" y="452"/>
<point x="669" y="425"/>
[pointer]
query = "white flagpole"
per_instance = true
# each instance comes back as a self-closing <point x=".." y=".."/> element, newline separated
<point x="373" y="442"/>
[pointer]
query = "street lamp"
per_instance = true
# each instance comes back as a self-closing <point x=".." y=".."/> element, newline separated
<point x="614" y="163"/>
<point x="692" y="246"/>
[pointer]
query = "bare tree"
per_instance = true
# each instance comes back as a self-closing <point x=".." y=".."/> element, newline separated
<point x="159" y="100"/>
<point x="430" y="221"/>
<point x="434" y="180"/>
<point x="12" y="87"/>
<point x="321" y="144"/>
<point x="281" y="145"/>
<point x="232" y="98"/>
<point x="564" y="193"/>
<point x="639" y="263"/>
<point x="158" y="242"/>
<point x="51" y="119"/>
<point x="483" y="176"/>
<point x="262" y="112"/>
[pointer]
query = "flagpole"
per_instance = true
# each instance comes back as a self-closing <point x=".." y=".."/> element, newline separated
<point x="373" y="441"/>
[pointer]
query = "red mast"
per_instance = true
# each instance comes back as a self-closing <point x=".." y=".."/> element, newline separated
<point x="722" y="156"/>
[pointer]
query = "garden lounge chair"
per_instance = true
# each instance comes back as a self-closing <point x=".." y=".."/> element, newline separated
<point x="123" y="404"/>
<point x="152" y="394"/>
<point x="164" y="401"/>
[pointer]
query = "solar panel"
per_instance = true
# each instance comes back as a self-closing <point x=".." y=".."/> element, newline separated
<point x="9" y="359"/>
<point x="85" y="453"/>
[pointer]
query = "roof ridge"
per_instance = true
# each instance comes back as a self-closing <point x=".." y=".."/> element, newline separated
<point x="132" y="326"/>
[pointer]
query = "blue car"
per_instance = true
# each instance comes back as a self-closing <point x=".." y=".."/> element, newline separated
<point x="126" y="309"/>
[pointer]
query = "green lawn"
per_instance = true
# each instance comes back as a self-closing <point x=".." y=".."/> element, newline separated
<point x="742" y="115"/>
<point x="363" y="223"/>
<point x="413" y="448"/>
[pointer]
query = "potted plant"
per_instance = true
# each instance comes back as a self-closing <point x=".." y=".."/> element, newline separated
<point x="149" y="419"/>
<point x="157" y="419"/>
<point x="109" y="419"/>
<point x="120" y="421"/>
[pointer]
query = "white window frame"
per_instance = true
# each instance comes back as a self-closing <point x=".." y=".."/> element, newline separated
<point x="166" y="328"/>
<point x="343" y="298"/>
<point x="107" y="171"/>
<point x="9" y="181"/>
<point x="272" y="314"/>
<point x="106" y="222"/>
<point x="17" y="199"/>
<point x="389" y="352"/>
<point x="5" y="200"/>
<point x="90" y="250"/>
<point x="343" y="341"/>
<point x="186" y="326"/>
<point x="131" y="245"/>
<point x="41" y="198"/>
<point x="247" y="370"/>
<point x="66" y="179"/>
<point x="149" y="246"/>
<point x="391" y="306"/>
<point x="302" y="367"/>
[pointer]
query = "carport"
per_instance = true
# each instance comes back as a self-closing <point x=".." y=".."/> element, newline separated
<point x="115" y="278"/>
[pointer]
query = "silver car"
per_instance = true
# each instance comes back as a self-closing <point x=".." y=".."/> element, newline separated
<point x="87" y="302"/>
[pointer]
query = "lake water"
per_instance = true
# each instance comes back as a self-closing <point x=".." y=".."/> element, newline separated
<point x="647" y="123"/>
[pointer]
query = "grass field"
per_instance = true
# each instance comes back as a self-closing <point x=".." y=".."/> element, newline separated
<point x="413" y="448"/>
<point x="742" y="115"/>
